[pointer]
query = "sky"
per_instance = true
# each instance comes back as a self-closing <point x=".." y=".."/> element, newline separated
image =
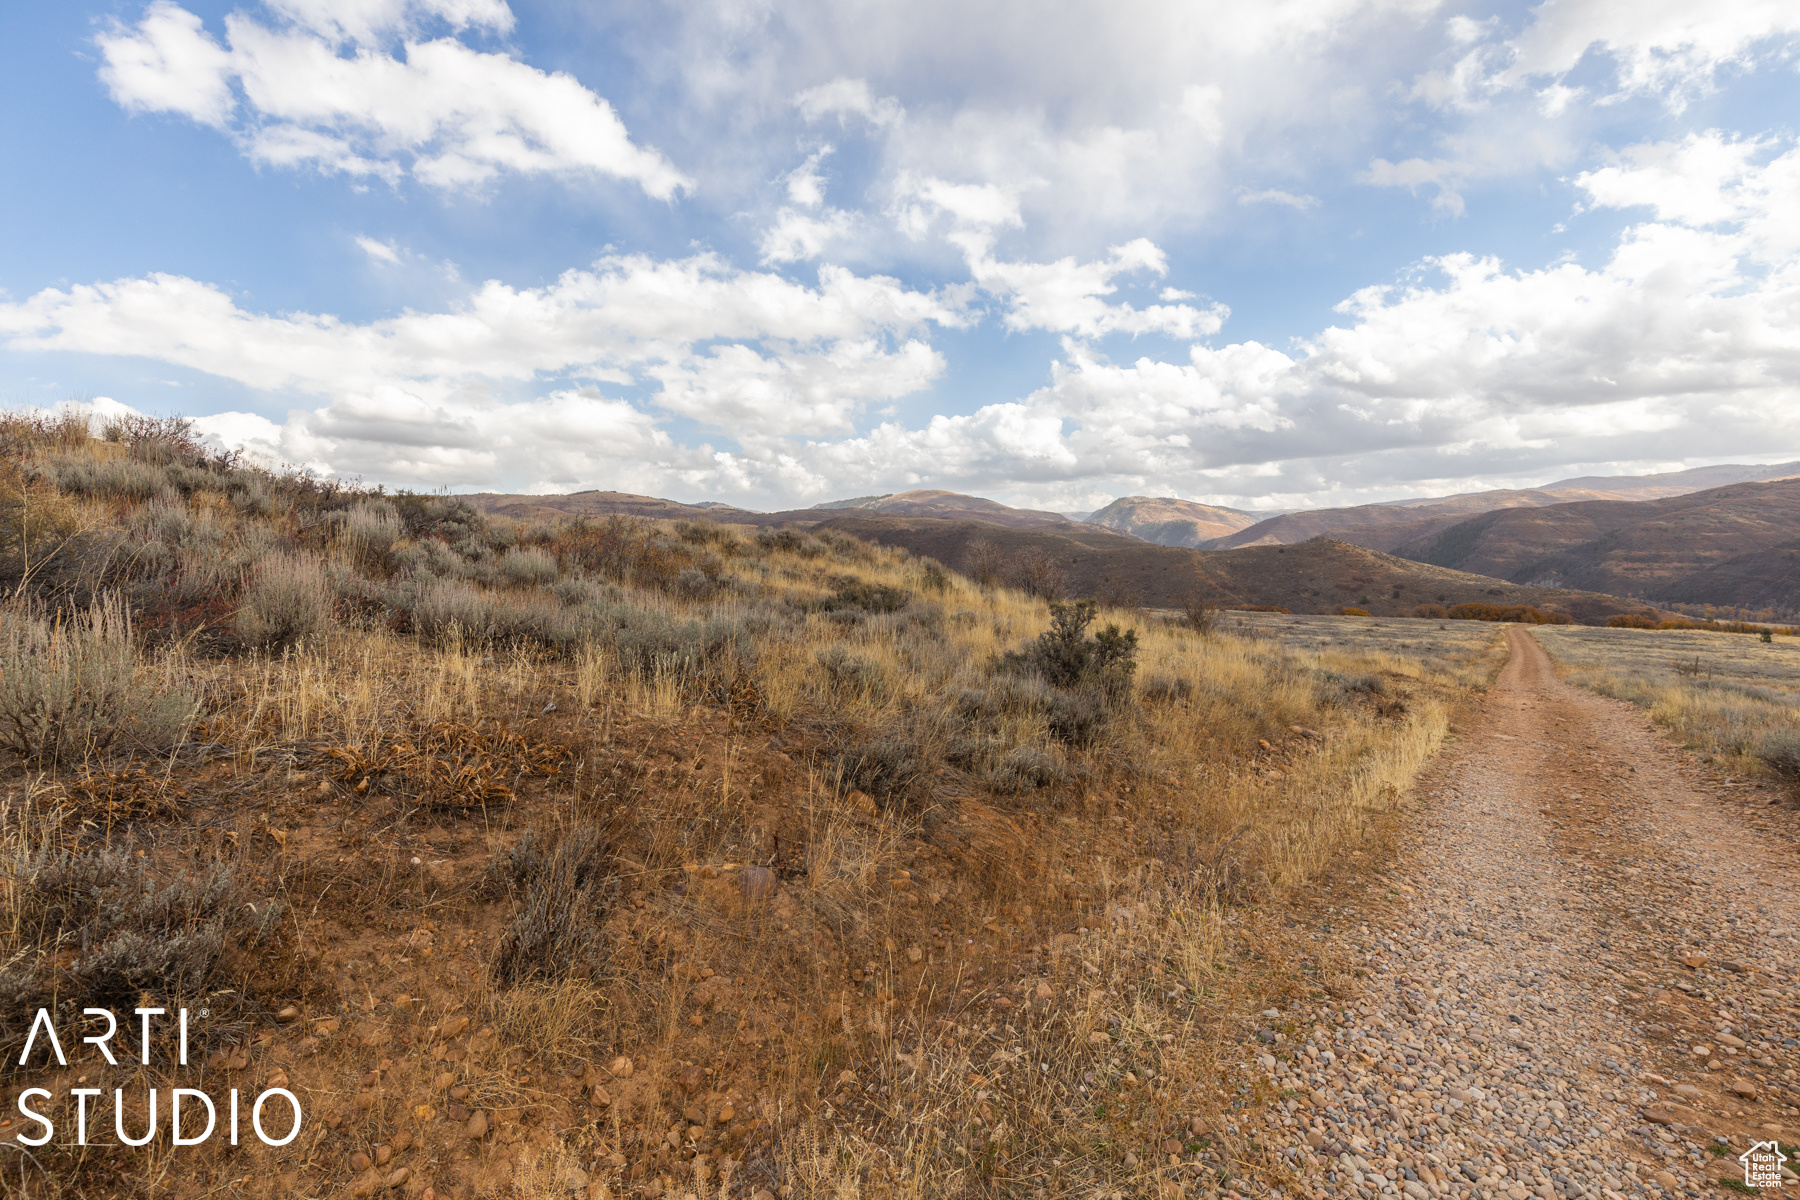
<point x="1278" y="255"/>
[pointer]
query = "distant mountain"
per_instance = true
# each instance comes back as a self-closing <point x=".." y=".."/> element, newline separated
<point x="1393" y="523"/>
<point x="1732" y="546"/>
<point x="929" y="503"/>
<point x="1170" y="522"/>
<point x="1322" y="575"/>
<point x="951" y="506"/>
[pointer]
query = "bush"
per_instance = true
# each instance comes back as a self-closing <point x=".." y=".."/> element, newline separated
<point x="70" y="689"/>
<point x="893" y="768"/>
<point x="1025" y="769"/>
<point x="527" y="566"/>
<point x="1036" y="574"/>
<point x="1201" y="616"/>
<point x="124" y="478"/>
<point x="1162" y="688"/>
<point x="288" y="601"/>
<point x="370" y="530"/>
<point x="564" y="893"/>
<point x="1065" y="657"/>
<point x="791" y="541"/>
<point x="102" y="930"/>
<point x="1352" y="612"/>
<point x="1523" y="614"/>
<point x="1432" y="612"/>
<point x="849" y="675"/>
<point x="1779" y="750"/>
<point x="455" y="606"/>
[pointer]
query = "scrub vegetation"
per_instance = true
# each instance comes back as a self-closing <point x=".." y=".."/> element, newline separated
<point x="637" y="857"/>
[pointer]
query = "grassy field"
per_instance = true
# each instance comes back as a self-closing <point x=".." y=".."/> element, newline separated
<point x="645" y="857"/>
<point x="1730" y="695"/>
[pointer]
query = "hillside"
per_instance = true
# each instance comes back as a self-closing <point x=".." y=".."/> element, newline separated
<point x="952" y="506"/>
<point x="1394" y="523"/>
<point x="1167" y="521"/>
<point x="1726" y="546"/>
<point x="622" y="858"/>
<point x="1319" y="576"/>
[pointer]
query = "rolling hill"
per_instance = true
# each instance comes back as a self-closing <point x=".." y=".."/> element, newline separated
<point x="1171" y="522"/>
<point x="1322" y="575"/>
<point x="1730" y="546"/>
<point x="1395" y="523"/>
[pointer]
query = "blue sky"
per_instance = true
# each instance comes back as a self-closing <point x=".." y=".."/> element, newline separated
<point x="1299" y="253"/>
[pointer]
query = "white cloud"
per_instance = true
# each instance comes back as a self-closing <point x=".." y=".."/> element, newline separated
<point x="844" y="97"/>
<point x="321" y="92"/>
<point x="379" y="251"/>
<point x="1670" y="47"/>
<point x="797" y="235"/>
<point x="1300" y="202"/>
<point x="1710" y="179"/>
<point x="1065" y="296"/>
<point x="169" y="63"/>
<point x="806" y="355"/>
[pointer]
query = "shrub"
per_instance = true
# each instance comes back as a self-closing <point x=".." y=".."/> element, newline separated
<point x="1433" y="612"/>
<point x="1162" y="688"/>
<point x="70" y="687"/>
<point x="1352" y="612"/>
<point x="850" y="675"/>
<point x="933" y="577"/>
<point x="454" y="606"/>
<point x="1779" y="750"/>
<point x="1630" y="621"/>
<point x="1064" y="656"/>
<point x="791" y="541"/>
<point x="1524" y="614"/>
<point x="370" y="530"/>
<point x="1027" y="768"/>
<point x="287" y="602"/>
<point x="1201" y="616"/>
<point x="1036" y="574"/>
<point x="1768" y="637"/>
<point x="564" y="891"/>
<point x="851" y="593"/>
<point x="893" y="768"/>
<point x="123" y="478"/>
<point x="983" y="561"/>
<point x="527" y="566"/>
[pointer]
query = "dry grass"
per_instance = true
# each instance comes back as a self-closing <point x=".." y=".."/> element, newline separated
<point x="1013" y="959"/>
<point x="1726" y="694"/>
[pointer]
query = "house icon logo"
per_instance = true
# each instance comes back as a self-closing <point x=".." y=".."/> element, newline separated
<point x="1762" y="1165"/>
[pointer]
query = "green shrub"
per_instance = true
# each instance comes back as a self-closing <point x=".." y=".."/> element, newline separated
<point x="288" y="601"/>
<point x="1065" y="657"/>
<point x="70" y="687"/>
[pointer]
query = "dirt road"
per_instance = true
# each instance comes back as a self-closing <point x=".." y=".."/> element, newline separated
<point x="1581" y="976"/>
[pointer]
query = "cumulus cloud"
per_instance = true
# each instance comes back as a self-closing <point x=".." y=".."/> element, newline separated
<point x="1066" y="296"/>
<point x="1300" y="202"/>
<point x="323" y="89"/>
<point x="808" y="356"/>
<point x="843" y="97"/>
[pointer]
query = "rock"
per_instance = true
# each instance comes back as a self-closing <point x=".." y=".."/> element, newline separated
<point x="1725" y="1039"/>
<point x="1043" y="991"/>
<point x="455" y="1027"/>
<point x="1171" y="1146"/>
<point x="1319" y="1098"/>
<point x="757" y="883"/>
<point x="1732" y="965"/>
<point x="726" y="1113"/>
<point x="1667" y="1181"/>
<point x="1742" y="1087"/>
<point x="443" y="1082"/>
<point x="477" y="1128"/>
<point x="288" y="1014"/>
<point x="359" y="1162"/>
<point x="690" y="1079"/>
<point x="1687" y="1089"/>
<point x="402" y="1141"/>
<point x="399" y="1177"/>
<point x="1657" y="1116"/>
<point x="762" y="1194"/>
<point x="1131" y="1160"/>
<point x="1693" y="961"/>
<point x="598" y="1096"/>
<point x="914" y="954"/>
<point x="620" y="1067"/>
<point x="425" y="1112"/>
<point x="384" y="1155"/>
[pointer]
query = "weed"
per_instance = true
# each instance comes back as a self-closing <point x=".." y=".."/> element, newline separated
<point x="287" y="602"/>
<point x="563" y="891"/>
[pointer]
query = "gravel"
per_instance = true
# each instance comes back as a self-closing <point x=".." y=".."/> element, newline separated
<point x="1526" y="1024"/>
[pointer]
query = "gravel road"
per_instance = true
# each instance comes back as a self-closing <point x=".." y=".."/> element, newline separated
<point x="1580" y="973"/>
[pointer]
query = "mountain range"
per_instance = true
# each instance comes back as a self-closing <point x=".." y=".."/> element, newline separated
<point x="1726" y="536"/>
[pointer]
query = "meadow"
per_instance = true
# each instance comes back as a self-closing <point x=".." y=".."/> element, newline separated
<point x="628" y="857"/>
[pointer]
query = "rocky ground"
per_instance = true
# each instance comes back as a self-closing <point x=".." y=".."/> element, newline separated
<point x="1579" y="979"/>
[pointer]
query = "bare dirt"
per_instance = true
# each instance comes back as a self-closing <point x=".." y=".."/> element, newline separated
<point x="1579" y="977"/>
